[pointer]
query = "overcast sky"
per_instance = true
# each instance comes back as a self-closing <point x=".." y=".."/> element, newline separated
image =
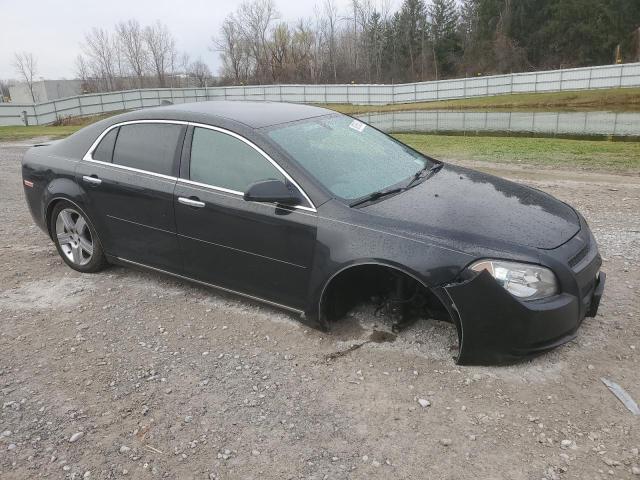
<point x="53" y="30"/>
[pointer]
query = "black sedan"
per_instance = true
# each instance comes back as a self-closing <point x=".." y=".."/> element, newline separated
<point x="314" y="211"/>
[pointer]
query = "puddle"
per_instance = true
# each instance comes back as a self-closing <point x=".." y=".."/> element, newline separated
<point x="581" y="125"/>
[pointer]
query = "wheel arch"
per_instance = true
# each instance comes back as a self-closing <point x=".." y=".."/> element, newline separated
<point x="344" y="269"/>
<point x="438" y="293"/>
<point x="61" y="189"/>
<point x="50" y="206"/>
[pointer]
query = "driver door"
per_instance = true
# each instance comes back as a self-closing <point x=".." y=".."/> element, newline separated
<point x="258" y="249"/>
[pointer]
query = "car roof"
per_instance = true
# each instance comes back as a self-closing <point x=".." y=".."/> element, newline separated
<point x="253" y="114"/>
<point x="239" y="116"/>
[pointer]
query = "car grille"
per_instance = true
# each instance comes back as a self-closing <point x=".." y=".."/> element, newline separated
<point x="578" y="257"/>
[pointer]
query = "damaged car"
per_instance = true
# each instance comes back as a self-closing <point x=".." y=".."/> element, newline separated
<point x="314" y="211"/>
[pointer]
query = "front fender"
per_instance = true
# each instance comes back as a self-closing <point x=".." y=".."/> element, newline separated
<point x="343" y="243"/>
<point x="495" y="327"/>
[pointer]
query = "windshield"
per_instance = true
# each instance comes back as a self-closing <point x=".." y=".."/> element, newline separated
<point x="349" y="158"/>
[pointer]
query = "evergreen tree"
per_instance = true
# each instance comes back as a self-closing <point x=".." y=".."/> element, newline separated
<point x="468" y="25"/>
<point x="444" y="35"/>
<point x="412" y="35"/>
<point x="376" y="32"/>
<point x="586" y="32"/>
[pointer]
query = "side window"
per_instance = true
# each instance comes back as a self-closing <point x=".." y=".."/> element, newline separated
<point x="148" y="146"/>
<point x="104" y="150"/>
<point x="221" y="160"/>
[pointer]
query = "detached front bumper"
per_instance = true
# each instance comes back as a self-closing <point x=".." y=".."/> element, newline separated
<point x="496" y="327"/>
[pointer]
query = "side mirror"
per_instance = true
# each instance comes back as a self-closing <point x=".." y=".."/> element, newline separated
<point x="272" y="191"/>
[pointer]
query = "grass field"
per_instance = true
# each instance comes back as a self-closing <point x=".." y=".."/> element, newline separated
<point x="621" y="157"/>
<point x="25" y="133"/>
<point x="617" y="99"/>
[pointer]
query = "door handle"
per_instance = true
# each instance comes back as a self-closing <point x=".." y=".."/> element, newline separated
<point x="92" y="179"/>
<point x="191" y="202"/>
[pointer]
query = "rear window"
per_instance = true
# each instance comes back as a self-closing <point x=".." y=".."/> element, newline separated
<point x="148" y="146"/>
<point x="104" y="150"/>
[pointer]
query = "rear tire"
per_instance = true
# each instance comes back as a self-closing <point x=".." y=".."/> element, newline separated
<point x="75" y="238"/>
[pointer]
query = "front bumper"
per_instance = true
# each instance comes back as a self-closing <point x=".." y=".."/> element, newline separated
<point x="495" y="327"/>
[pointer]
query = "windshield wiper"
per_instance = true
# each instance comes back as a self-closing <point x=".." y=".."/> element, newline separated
<point x="376" y="195"/>
<point x="424" y="173"/>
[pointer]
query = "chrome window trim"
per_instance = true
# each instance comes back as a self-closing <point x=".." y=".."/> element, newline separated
<point x="206" y="185"/>
<point x="239" y="196"/>
<point x="88" y="157"/>
<point x="131" y="169"/>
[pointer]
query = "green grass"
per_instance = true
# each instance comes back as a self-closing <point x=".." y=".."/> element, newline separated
<point x="25" y="133"/>
<point x="614" y="157"/>
<point x="616" y="99"/>
<point x="69" y="126"/>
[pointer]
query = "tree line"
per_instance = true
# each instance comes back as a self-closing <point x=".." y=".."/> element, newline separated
<point x="424" y="39"/>
<point x="136" y="56"/>
<point x="368" y="42"/>
<point x="128" y="56"/>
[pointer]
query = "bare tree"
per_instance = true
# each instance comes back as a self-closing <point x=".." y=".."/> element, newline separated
<point x="233" y="50"/>
<point x="4" y="90"/>
<point x="302" y="43"/>
<point x="100" y="50"/>
<point x="279" y="49"/>
<point x="199" y="71"/>
<point x="173" y="66"/>
<point x="82" y="72"/>
<point x="254" y="19"/>
<point x="183" y="64"/>
<point x="27" y="67"/>
<point x="317" y="61"/>
<point x="331" y="16"/>
<point x="131" y="38"/>
<point x="162" y="48"/>
<point x="130" y="55"/>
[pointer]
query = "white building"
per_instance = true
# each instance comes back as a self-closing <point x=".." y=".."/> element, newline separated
<point x="45" y="90"/>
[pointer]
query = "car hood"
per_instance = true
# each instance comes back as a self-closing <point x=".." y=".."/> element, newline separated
<point x="461" y="204"/>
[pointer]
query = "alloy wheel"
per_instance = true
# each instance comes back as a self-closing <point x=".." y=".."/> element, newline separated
<point x="74" y="236"/>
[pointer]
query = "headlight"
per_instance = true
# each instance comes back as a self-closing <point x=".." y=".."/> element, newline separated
<point x="522" y="280"/>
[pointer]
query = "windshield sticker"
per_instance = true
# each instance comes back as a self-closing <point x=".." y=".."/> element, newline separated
<point x="357" y="126"/>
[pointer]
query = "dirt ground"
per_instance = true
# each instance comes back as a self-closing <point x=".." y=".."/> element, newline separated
<point x="126" y="374"/>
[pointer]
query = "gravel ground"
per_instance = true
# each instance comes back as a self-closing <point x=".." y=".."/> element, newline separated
<point x="126" y="374"/>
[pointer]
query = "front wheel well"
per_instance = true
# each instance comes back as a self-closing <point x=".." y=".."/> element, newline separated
<point x="389" y="287"/>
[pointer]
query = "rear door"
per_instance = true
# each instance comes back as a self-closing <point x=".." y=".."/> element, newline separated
<point x="129" y="179"/>
<point x="259" y="249"/>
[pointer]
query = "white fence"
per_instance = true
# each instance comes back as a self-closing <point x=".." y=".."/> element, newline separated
<point x="610" y="76"/>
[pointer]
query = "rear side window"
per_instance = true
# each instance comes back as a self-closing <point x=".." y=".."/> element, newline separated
<point x="222" y="160"/>
<point x="104" y="150"/>
<point x="148" y="146"/>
